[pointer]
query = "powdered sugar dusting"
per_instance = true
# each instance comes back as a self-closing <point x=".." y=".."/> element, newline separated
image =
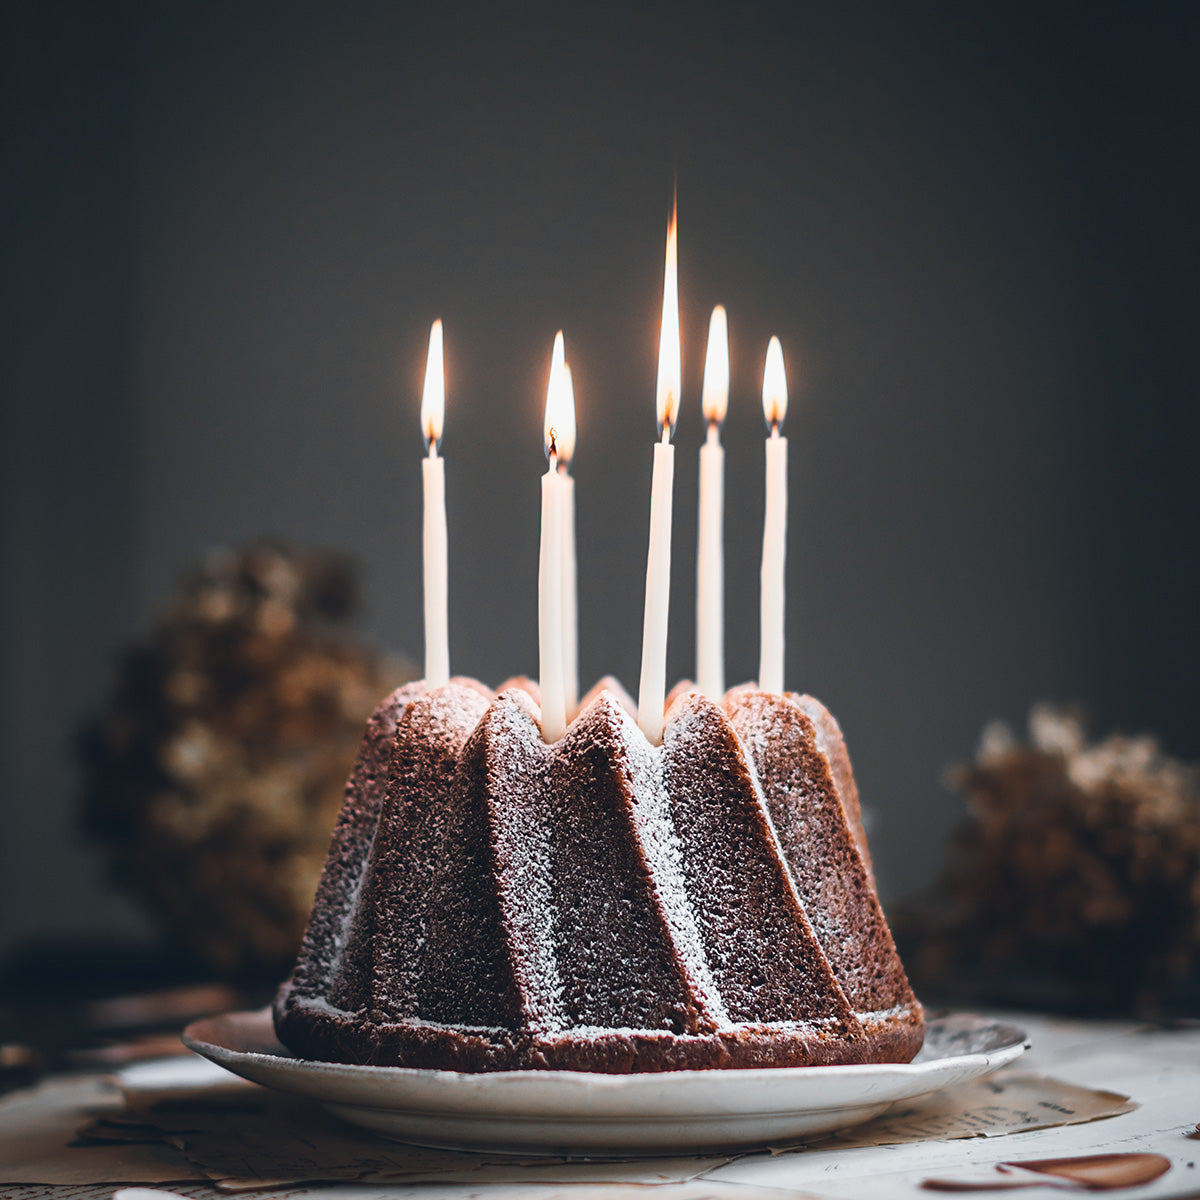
<point x="617" y="957"/>
<point x="763" y="953"/>
<point x="660" y="843"/>
<point x="495" y="902"/>
<point x="517" y="762"/>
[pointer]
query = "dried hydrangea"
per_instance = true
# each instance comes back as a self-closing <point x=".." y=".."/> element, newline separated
<point x="216" y="774"/>
<point x="1076" y="877"/>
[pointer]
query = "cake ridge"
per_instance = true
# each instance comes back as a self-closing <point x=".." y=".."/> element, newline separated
<point x="658" y="838"/>
<point x="618" y="941"/>
<point x="738" y="867"/>
<point x="463" y="974"/>
<point x="524" y="890"/>
<point x="814" y="804"/>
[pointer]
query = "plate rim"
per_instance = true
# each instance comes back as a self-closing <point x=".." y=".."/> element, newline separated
<point x="590" y="1114"/>
<point x="1008" y="1051"/>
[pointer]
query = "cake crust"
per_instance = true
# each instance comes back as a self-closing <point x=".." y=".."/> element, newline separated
<point x="494" y="903"/>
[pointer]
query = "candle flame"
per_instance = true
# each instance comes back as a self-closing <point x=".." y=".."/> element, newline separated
<point x="775" y="396"/>
<point x="566" y="422"/>
<point x="716" y="368"/>
<point x="433" y="398"/>
<point x="670" y="371"/>
<point x="555" y="432"/>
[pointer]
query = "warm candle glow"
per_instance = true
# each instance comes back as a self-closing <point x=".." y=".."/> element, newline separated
<point x="775" y="396"/>
<point x="433" y="398"/>
<point x="554" y="426"/>
<point x="716" y="368"/>
<point x="670" y="370"/>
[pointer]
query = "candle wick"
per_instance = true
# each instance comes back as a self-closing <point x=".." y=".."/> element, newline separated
<point x="433" y="451"/>
<point x="552" y="452"/>
<point x="775" y="427"/>
<point x="666" y="430"/>
<point x="714" y="431"/>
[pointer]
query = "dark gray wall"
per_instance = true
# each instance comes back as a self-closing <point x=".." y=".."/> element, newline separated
<point x="971" y="228"/>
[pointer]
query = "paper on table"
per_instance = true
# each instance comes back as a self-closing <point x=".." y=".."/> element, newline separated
<point x="37" y="1139"/>
<point x="1000" y="1104"/>
<point x="256" y="1138"/>
<point x="699" y="1190"/>
<point x="265" y="1139"/>
<point x="676" y="1191"/>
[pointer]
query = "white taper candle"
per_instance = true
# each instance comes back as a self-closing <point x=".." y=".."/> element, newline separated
<point x="570" y="604"/>
<point x="771" y="650"/>
<point x="433" y="534"/>
<point x="710" y="571"/>
<point x="433" y="545"/>
<point x="710" y="552"/>
<point x="652" y="692"/>
<point x="550" y="677"/>
<point x="550" y="570"/>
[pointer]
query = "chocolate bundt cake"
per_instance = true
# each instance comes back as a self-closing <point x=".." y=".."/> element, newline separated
<point x="491" y="902"/>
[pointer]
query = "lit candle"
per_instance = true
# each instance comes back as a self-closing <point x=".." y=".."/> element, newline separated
<point x="433" y="541"/>
<point x="570" y="606"/>
<point x="652" y="691"/>
<point x="550" y="629"/>
<point x="710" y="558"/>
<point x="770" y="663"/>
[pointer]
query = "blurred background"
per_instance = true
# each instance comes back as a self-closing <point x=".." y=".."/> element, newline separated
<point x="229" y="226"/>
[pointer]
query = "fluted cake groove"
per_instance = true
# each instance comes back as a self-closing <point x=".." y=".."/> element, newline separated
<point x="491" y="902"/>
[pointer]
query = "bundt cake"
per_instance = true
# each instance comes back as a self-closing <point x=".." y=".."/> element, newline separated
<point x="491" y="902"/>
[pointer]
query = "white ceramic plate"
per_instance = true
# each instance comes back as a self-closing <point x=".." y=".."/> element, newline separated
<point x="577" y="1113"/>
